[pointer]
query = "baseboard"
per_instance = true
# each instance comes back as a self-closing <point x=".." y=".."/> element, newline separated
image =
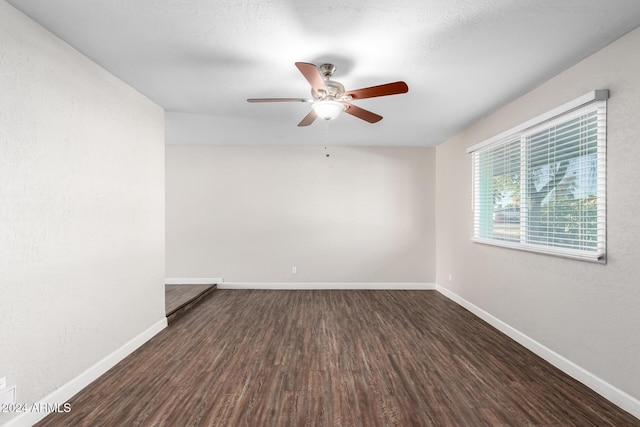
<point x="68" y="390"/>
<point x="192" y="280"/>
<point x="606" y="390"/>
<point x="327" y="285"/>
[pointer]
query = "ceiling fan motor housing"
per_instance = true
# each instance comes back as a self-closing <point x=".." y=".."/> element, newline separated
<point x="334" y="89"/>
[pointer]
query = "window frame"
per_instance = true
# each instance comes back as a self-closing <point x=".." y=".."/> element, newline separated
<point x="592" y="101"/>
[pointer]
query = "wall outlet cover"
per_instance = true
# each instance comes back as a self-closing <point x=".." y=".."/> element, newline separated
<point x="8" y="395"/>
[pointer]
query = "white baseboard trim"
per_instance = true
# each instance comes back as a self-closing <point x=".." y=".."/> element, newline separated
<point x="606" y="390"/>
<point x="192" y="280"/>
<point x="68" y="390"/>
<point x="327" y="285"/>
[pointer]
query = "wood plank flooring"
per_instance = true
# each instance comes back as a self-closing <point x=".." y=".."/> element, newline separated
<point x="343" y="358"/>
<point x="180" y="299"/>
<point x="175" y="296"/>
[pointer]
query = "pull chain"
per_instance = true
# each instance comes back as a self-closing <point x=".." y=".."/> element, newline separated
<point x="326" y="137"/>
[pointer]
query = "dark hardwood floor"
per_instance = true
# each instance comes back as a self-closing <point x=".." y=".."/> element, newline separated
<point x="179" y="299"/>
<point x="178" y="295"/>
<point x="344" y="358"/>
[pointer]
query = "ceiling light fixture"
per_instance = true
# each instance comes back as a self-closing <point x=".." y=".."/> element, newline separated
<point x="328" y="109"/>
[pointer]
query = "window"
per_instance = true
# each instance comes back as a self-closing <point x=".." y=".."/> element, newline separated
<point x="541" y="185"/>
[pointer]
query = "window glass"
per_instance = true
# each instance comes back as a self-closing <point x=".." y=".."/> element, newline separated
<point x="543" y="189"/>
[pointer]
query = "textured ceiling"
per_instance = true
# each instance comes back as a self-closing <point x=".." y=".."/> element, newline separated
<point x="201" y="59"/>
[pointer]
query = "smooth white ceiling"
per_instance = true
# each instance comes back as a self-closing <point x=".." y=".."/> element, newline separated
<point x="201" y="59"/>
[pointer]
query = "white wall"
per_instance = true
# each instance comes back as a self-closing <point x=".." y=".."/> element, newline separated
<point x="248" y="214"/>
<point x="588" y="313"/>
<point x="81" y="210"/>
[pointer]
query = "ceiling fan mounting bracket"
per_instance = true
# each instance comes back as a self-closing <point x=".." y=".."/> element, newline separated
<point x="327" y="70"/>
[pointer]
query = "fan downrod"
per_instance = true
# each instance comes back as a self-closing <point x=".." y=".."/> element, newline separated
<point x="327" y="70"/>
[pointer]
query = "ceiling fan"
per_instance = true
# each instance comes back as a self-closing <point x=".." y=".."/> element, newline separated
<point x="330" y="98"/>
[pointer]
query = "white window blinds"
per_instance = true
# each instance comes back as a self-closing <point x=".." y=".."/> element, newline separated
<point x="542" y="188"/>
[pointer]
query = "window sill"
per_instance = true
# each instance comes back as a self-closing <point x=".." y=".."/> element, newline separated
<point x="598" y="258"/>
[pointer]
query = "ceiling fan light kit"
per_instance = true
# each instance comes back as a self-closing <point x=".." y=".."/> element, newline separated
<point x="330" y="98"/>
<point x="328" y="109"/>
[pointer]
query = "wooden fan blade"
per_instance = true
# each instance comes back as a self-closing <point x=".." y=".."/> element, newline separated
<point x="361" y="113"/>
<point x="381" y="90"/>
<point x="278" y="100"/>
<point x="308" y="119"/>
<point x="312" y="74"/>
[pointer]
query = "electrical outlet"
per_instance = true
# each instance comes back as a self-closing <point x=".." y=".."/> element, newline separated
<point x="294" y="270"/>
<point x="3" y="382"/>
<point x="450" y="277"/>
<point x="8" y="395"/>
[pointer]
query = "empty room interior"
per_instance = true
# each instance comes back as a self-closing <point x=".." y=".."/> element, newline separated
<point x="391" y="213"/>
